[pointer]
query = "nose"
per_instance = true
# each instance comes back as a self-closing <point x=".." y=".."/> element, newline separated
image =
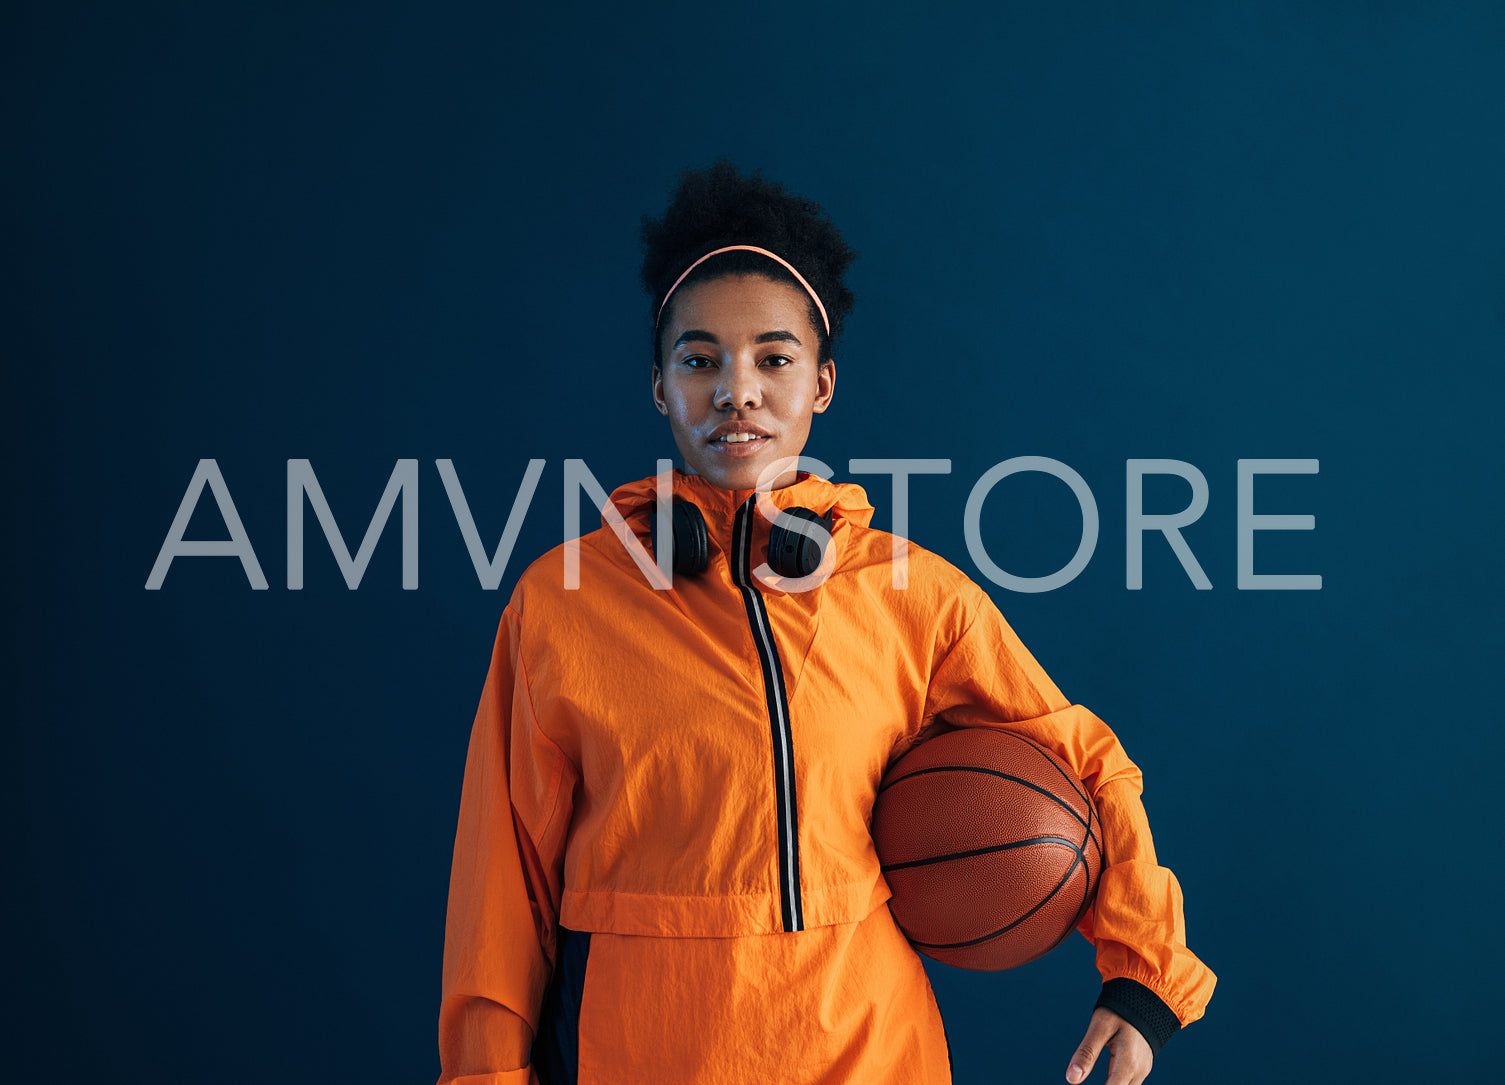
<point x="739" y="388"/>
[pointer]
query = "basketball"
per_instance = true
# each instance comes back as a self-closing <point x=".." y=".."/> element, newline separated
<point x="990" y="845"/>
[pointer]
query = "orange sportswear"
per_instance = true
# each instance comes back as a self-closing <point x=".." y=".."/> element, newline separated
<point x="688" y="775"/>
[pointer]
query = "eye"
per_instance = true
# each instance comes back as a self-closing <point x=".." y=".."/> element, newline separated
<point x="778" y="361"/>
<point x="693" y="359"/>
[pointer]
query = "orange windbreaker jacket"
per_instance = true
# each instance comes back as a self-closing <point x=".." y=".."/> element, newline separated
<point x="704" y="760"/>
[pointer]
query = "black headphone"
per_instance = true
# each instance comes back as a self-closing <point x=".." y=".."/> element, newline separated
<point x="790" y="553"/>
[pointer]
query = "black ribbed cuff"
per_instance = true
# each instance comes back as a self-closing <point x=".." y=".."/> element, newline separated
<point x="1142" y="1008"/>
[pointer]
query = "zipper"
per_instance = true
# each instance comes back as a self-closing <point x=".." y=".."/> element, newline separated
<point x="791" y="909"/>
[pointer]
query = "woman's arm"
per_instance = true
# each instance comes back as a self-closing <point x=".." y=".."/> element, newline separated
<point x="500" y="929"/>
<point x="988" y="678"/>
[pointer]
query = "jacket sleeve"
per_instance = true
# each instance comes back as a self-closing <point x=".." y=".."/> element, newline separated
<point x="505" y="881"/>
<point x="987" y="678"/>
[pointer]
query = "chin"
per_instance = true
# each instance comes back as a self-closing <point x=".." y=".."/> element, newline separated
<point x="730" y="476"/>
<point x="734" y="479"/>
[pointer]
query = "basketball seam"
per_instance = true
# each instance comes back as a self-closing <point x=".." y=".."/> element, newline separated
<point x="1087" y="889"/>
<point x="1051" y="760"/>
<point x="990" y="772"/>
<point x="989" y="850"/>
<point x="1081" y="791"/>
<point x="1004" y="930"/>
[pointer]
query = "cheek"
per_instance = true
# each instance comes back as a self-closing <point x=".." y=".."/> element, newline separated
<point x="680" y="415"/>
<point x="803" y="404"/>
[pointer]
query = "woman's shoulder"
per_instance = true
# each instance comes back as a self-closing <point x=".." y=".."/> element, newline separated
<point x="546" y="575"/>
<point x="929" y="580"/>
<point x="591" y="571"/>
<point x="875" y="546"/>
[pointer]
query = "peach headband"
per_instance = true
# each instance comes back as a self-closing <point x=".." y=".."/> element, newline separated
<point x="750" y="248"/>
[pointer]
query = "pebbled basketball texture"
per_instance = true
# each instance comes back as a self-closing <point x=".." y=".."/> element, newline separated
<point x="991" y="846"/>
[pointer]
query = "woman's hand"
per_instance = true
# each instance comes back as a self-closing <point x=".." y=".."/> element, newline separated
<point x="1131" y="1058"/>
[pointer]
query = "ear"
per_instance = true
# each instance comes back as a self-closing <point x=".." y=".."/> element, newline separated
<point x="658" y="391"/>
<point x="825" y="385"/>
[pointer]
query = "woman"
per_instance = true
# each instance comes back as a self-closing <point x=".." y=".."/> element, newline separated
<point x="663" y="871"/>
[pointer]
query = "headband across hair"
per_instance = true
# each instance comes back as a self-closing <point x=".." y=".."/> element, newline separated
<point x="750" y="248"/>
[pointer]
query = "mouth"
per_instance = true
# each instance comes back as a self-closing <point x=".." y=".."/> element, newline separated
<point x="739" y="444"/>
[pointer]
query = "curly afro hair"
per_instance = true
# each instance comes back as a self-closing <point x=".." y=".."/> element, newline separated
<point x="718" y="206"/>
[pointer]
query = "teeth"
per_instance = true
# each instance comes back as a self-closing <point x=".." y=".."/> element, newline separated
<point x="739" y="438"/>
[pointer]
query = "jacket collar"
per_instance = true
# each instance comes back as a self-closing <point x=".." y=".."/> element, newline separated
<point x="635" y="500"/>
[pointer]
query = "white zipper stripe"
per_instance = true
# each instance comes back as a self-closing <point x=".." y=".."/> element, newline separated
<point x="787" y="759"/>
<point x="773" y="679"/>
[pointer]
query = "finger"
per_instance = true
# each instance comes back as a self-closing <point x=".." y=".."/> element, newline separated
<point x="1129" y="1064"/>
<point x="1087" y="1052"/>
<point x="1119" y="1070"/>
<point x="1122" y="1073"/>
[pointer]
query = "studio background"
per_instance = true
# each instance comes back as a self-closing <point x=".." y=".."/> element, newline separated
<point x="1094" y="232"/>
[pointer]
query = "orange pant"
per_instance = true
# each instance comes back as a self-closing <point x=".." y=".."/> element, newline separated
<point x="848" y="1004"/>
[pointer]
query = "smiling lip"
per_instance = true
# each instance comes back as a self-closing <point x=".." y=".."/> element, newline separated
<point x="740" y="448"/>
<point x="727" y="428"/>
<point x="755" y="440"/>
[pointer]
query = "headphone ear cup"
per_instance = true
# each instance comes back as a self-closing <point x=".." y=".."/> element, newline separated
<point x="692" y="542"/>
<point x="792" y="554"/>
<point x="692" y="545"/>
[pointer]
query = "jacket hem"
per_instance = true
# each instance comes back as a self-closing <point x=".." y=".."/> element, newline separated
<point x="522" y="1076"/>
<point x="715" y="916"/>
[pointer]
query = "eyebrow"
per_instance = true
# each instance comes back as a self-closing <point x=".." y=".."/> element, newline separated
<point x="697" y="335"/>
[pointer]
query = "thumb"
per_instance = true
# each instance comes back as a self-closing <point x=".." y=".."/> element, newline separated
<point x="1086" y="1054"/>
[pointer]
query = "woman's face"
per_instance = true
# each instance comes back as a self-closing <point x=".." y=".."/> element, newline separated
<point x="740" y="354"/>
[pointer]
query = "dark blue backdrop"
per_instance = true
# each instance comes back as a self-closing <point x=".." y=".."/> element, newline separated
<point x="357" y="233"/>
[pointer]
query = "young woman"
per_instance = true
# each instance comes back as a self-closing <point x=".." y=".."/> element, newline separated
<point x="663" y="870"/>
